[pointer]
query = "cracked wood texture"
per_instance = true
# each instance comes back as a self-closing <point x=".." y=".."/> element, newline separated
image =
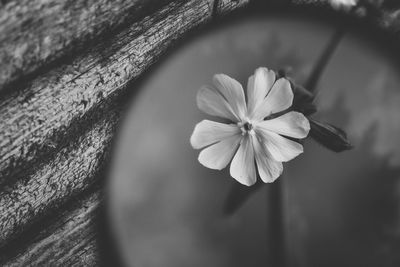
<point x="66" y="69"/>
<point x="36" y="32"/>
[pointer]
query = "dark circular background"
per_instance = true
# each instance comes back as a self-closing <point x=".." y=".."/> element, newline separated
<point x="340" y="209"/>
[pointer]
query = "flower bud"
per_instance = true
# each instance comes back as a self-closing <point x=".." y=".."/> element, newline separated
<point x="329" y="136"/>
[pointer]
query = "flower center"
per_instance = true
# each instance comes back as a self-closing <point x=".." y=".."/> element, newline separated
<point x="247" y="126"/>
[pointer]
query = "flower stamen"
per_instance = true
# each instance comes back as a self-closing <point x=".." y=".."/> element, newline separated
<point x="246" y="127"/>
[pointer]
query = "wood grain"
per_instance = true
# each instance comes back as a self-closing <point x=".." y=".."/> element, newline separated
<point x="72" y="170"/>
<point x="70" y="238"/>
<point x="37" y="118"/>
<point x="57" y="129"/>
<point x="34" y="33"/>
<point x="65" y="69"/>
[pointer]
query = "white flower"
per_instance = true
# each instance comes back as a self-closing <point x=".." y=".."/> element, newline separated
<point x="261" y="141"/>
<point x="343" y="3"/>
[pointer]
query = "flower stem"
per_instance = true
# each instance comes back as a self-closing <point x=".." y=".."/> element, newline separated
<point x="326" y="55"/>
<point x="323" y="60"/>
<point x="275" y="202"/>
<point x="276" y="224"/>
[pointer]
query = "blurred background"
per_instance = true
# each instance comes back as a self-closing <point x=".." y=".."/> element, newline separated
<point x="165" y="208"/>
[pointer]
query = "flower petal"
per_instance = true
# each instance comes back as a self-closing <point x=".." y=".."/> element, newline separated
<point x="232" y="91"/>
<point x="213" y="103"/>
<point x="242" y="166"/>
<point x="281" y="148"/>
<point x="218" y="155"/>
<point x="258" y="87"/>
<point x="292" y="124"/>
<point x="268" y="168"/>
<point x="209" y="132"/>
<point x="279" y="98"/>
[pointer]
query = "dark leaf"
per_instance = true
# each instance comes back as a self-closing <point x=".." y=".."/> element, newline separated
<point x="329" y="136"/>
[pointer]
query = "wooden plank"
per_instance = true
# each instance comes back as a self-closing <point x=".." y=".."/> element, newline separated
<point x="34" y="33"/>
<point x="69" y="239"/>
<point x="39" y="117"/>
<point x="56" y="131"/>
<point x="71" y="171"/>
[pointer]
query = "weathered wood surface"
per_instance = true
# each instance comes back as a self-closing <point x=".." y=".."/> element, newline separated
<point x="57" y="128"/>
<point x="64" y="74"/>
<point x="35" y="33"/>
<point x="69" y="240"/>
<point x="35" y="115"/>
<point x="57" y="180"/>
